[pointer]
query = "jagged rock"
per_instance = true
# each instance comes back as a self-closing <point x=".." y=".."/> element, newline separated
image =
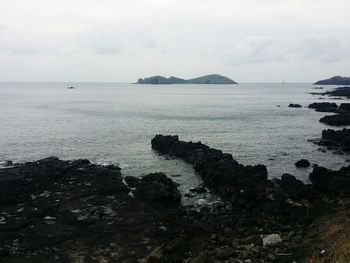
<point x="341" y="119"/>
<point x="132" y="181"/>
<point x="294" y="188"/>
<point x="344" y="106"/>
<point x="52" y="210"/>
<point x="320" y="178"/>
<point x="158" y="188"/>
<point x="332" y="182"/>
<point x="338" y="92"/>
<point x="218" y="170"/>
<point x="324" y="106"/>
<point x="339" y="138"/>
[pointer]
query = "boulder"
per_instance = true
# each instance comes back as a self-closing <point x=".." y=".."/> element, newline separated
<point x="159" y="189"/>
<point x="272" y="239"/>
<point x="321" y="179"/>
<point x="331" y="182"/>
<point x="294" y="188"/>
<point x="303" y="163"/>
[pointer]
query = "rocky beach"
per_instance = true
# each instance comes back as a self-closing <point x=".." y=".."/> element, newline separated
<point x="54" y="210"/>
<point x="75" y="211"/>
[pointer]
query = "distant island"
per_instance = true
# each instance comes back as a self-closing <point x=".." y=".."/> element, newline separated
<point x="337" y="80"/>
<point x="208" y="79"/>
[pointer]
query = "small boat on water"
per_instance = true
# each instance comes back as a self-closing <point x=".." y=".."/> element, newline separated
<point x="71" y="87"/>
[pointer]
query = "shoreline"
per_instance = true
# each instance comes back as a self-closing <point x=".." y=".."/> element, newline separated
<point x="64" y="211"/>
<point x="91" y="202"/>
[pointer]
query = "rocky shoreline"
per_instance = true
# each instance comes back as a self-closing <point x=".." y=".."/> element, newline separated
<point x="338" y="140"/>
<point x="53" y="210"/>
<point x="75" y="211"/>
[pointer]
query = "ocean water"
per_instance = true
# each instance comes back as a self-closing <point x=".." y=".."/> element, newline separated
<point x="114" y="123"/>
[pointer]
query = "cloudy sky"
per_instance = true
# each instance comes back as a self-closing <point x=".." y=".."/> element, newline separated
<point x="121" y="40"/>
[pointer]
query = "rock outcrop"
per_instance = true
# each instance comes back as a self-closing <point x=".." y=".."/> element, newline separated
<point x="303" y="163"/>
<point x="324" y="106"/>
<point x="342" y="119"/>
<point x="246" y="187"/>
<point x="61" y="211"/>
<point x="331" y="182"/>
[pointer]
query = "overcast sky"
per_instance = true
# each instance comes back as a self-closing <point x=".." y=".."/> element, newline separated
<point x="121" y="40"/>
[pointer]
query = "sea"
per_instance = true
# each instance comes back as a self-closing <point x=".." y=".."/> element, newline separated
<point x="113" y="123"/>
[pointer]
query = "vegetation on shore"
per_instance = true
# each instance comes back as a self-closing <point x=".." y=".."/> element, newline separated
<point x="208" y="79"/>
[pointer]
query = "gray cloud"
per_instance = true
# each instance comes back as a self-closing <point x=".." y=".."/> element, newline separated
<point x="248" y="40"/>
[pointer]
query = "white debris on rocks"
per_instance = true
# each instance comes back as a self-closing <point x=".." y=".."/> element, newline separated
<point x="271" y="239"/>
<point x="2" y="220"/>
<point x="45" y="194"/>
<point x="49" y="218"/>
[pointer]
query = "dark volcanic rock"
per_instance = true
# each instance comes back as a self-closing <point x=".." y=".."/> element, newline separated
<point x="218" y="170"/>
<point x="55" y="211"/>
<point x="303" y="163"/>
<point x="345" y="107"/>
<point x="341" y="119"/>
<point x="294" y="105"/>
<point x="157" y="188"/>
<point x="328" y="181"/>
<point x="338" y="92"/>
<point x="68" y="211"/>
<point x="324" y="106"/>
<point x="295" y="188"/>
<point x="131" y="181"/>
<point x="245" y="187"/>
<point x="339" y="138"/>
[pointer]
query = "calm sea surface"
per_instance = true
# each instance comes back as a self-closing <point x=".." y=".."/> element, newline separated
<point x="114" y="123"/>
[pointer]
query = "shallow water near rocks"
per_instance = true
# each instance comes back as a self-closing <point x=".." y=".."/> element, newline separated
<point x="111" y="123"/>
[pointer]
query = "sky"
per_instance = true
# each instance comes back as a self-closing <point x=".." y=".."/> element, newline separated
<point x="122" y="40"/>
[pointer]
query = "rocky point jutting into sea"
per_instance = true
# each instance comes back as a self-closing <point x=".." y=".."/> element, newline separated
<point x="54" y="210"/>
<point x="75" y="211"/>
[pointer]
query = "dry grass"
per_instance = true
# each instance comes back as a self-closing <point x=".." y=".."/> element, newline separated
<point x="339" y="252"/>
